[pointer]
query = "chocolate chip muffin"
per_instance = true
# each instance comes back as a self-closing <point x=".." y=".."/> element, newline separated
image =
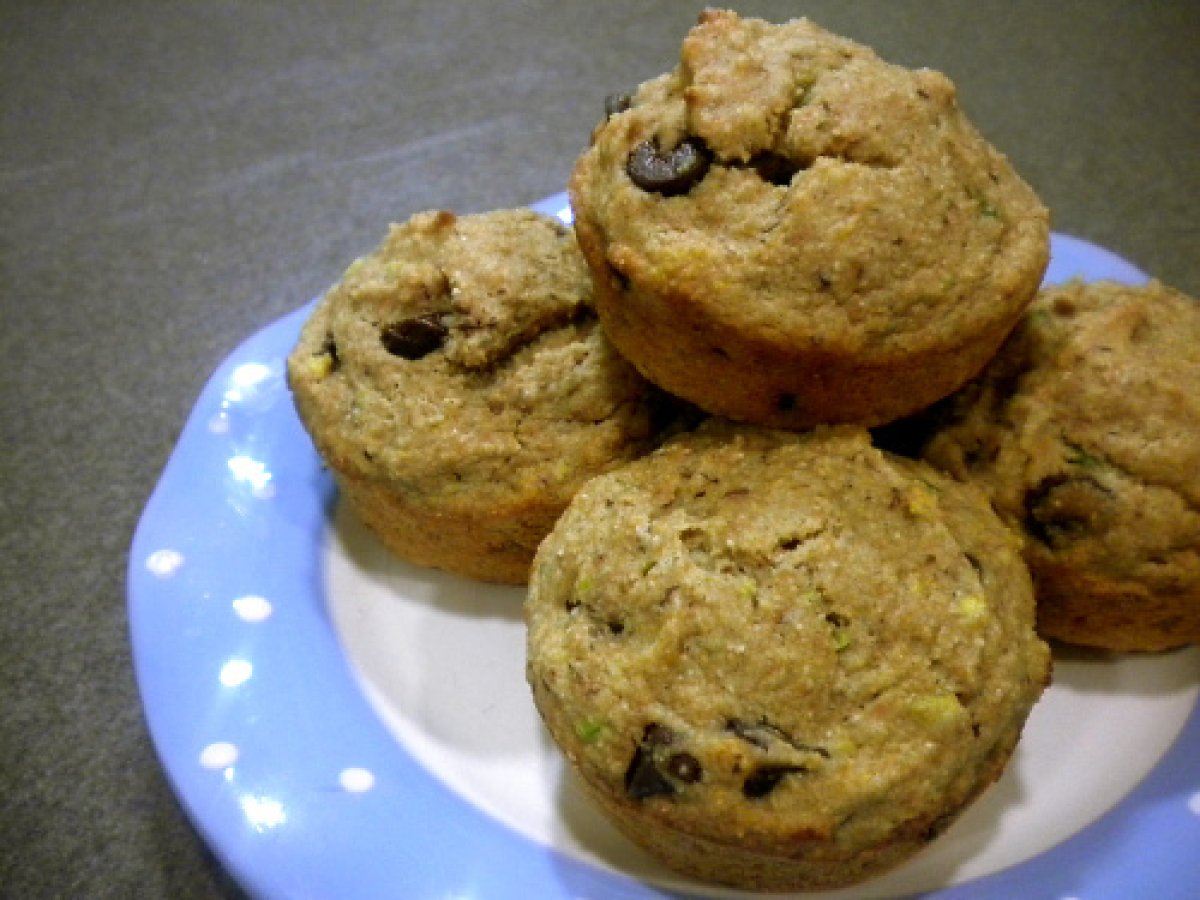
<point x="458" y="384"/>
<point x="1085" y="432"/>
<point x="788" y="230"/>
<point x="782" y="661"/>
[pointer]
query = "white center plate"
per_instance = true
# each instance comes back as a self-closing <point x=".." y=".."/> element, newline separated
<point x="339" y="724"/>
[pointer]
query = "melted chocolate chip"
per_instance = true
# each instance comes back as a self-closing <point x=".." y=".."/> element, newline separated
<point x="1062" y="508"/>
<point x="644" y="777"/>
<point x="414" y="338"/>
<point x="668" y="172"/>
<point x="765" y="779"/>
<point x="655" y="734"/>
<point x="684" y="767"/>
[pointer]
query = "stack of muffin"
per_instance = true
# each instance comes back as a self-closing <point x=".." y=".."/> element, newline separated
<point x="777" y="655"/>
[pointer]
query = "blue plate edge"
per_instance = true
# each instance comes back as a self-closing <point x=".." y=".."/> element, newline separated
<point x="247" y="869"/>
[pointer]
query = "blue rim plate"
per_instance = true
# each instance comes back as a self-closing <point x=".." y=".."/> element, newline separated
<point x="288" y="771"/>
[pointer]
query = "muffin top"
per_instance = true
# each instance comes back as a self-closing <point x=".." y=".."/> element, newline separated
<point x="790" y="181"/>
<point x="1085" y="431"/>
<point x="461" y="364"/>
<point x="778" y="638"/>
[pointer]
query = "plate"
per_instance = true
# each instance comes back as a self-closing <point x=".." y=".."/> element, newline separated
<point x="339" y="725"/>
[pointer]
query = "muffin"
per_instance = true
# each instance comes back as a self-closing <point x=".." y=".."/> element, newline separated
<point x="787" y="230"/>
<point x="457" y="383"/>
<point x="782" y="661"/>
<point x="1085" y="433"/>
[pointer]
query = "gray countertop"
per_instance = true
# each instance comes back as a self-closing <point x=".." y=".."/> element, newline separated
<point x="174" y="176"/>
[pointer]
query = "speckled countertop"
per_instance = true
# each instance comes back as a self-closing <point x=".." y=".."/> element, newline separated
<point x="173" y="176"/>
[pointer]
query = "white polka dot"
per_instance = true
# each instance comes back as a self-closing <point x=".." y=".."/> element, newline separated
<point x="1194" y="803"/>
<point x="164" y="563"/>
<point x="249" y="375"/>
<point x="263" y="812"/>
<point x="356" y="781"/>
<point x="236" y="672"/>
<point x="254" y="474"/>
<point x="220" y="755"/>
<point x="252" y="608"/>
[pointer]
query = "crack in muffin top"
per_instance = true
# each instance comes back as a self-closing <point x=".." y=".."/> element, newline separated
<point x="843" y="196"/>
<point x="464" y="352"/>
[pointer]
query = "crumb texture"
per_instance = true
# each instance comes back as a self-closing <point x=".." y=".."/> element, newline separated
<point x="782" y="660"/>
<point x="458" y="383"/>
<point x="848" y="202"/>
<point x="1085" y="431"/>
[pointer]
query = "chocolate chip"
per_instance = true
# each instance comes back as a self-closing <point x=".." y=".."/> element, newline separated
<point x="643" y="777"/>
<point x="617" y="103"/>
<point x="1061" y="508"/>
<point x="684" y="767"/>
<point x="655" y="734"/>
<point x="765" y="779"/>
<point x="414" y="338"/>
<point x="668" y="172"/>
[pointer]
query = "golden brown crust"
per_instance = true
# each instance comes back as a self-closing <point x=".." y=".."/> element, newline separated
<point x="854" y="251"/>
<point x="494" y="544"/>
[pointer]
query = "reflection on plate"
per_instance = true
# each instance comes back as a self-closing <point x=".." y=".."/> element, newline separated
<point x="341" y="725"/>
